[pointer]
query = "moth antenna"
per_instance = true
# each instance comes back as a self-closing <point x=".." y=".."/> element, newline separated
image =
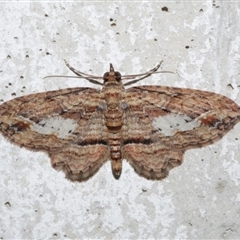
<point x="81" y="74"/>
<point x="61" y="76"/>
<point x="91" y="78"/>
<point x="144" y="75"/>
<point x="88" y="79"/>
<point x="139" y="79"/>
<point x="150" y="72"/>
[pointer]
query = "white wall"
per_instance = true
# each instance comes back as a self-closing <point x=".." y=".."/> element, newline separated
<point x="200" y="199"/>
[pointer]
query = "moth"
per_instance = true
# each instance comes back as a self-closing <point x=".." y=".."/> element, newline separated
<point x="149" y="126"/>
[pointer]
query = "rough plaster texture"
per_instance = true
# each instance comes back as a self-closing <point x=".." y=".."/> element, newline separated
<point x="199" y="41"/>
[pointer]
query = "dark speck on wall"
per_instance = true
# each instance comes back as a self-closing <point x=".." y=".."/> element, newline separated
<point x="164" y="9"/>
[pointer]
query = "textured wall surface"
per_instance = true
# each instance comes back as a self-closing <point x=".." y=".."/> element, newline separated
<point x="198" y="41"/>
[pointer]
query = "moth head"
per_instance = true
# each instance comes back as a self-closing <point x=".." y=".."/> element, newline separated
<point x="112" y="75"/>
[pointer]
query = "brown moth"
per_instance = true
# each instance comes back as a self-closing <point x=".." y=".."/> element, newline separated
<point x="149" y="126"/>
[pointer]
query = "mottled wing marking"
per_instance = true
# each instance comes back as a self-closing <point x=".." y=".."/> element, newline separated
<point x="83" y="156"/>
<point x="150" y="126"/>
<point x="67" y="124"/>
<point x="161" y="123"/>
<point x="152" y="161"/>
